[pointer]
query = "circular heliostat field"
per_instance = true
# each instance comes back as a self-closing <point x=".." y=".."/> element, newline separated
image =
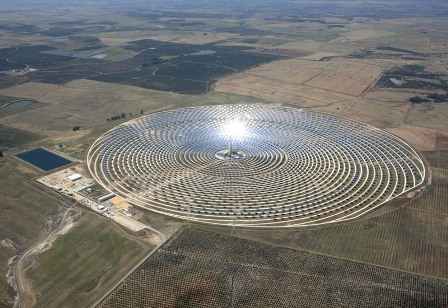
<point x="251" y="165"/>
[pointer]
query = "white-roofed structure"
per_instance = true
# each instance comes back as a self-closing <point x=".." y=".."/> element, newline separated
<point x="74" y="177"/>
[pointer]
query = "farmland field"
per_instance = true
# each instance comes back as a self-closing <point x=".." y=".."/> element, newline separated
<point x="305" y="83"/>
<point x="84" y="263"/>
<point x="148" y="64"/>
<point x="28" y="210"/>
<point x="201" y="269"/>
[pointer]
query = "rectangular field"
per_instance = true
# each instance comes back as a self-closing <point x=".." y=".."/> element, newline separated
<point x="279" y="90"/>
<point x="346" y="76"/>
<point x="305" y="83"/>
<point x="203" y="269"/>
<point x="84" y="263"/>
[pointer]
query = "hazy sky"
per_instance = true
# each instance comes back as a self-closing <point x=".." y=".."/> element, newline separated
<point x="411" y="7"/>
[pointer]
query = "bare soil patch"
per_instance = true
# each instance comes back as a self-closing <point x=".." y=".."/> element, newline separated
<point x="421" y="139"/>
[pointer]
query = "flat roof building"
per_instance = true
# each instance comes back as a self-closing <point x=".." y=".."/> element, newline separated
<point x="106" y="197"/>
<point x="74" y="177"/>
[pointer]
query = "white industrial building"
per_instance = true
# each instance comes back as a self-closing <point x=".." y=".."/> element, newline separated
<point x="74" y="177"/>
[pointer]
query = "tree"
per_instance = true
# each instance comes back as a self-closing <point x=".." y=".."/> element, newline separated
<point x="438" y="98"/>
<point x="418" y="100"/>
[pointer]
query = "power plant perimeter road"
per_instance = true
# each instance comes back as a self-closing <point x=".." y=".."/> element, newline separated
<point x="254" y="165"/>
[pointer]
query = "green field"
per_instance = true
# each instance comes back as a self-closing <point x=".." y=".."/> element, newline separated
<point x="84" y="263"/>
<point x="24" y="211"/>
<point x="12" y="137"/>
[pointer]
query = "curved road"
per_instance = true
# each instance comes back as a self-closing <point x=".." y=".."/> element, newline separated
<point x="22" y="299"/>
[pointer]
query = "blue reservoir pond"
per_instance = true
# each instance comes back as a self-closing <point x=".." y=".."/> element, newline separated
<point x="43" y="159"/>
<point x="20" y="104"/>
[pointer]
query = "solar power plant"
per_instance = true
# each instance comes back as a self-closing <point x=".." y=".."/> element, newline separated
<point x="202" y="269"/>
<point x="254" y="165"/>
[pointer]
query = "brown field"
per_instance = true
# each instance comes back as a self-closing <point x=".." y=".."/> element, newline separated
<point x="311" y="50"/>
<point x="434" y="118"/>
<point x="307" y="45"/>
<point x="345" y="76"/>
<point x="421" y="139"/>
<point x="294" y="71"/>
<point x="362" y="34"/>
<point x="195" y="37"/>
<point x="305" y="83"/>
<point x="280" y="91"/>
<point x="389" y="108"/>
<point x="381" y="114"/>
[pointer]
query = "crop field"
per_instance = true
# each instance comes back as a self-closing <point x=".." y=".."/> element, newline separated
<point x="81" y="103"/>
<point x="18" y="58"/>
<point x="28" y="210"/>
<point x="201" y="269"/>
<point x="437" y="158"/>
<point x="431" y="116"/>
<point x="190" y="68"/>
<point x="12" y="137"/>
<point x="305" y="83"/>
<point x="83" y="263"/>
<point x="400" y="239"/>
<point x="363" y="34"/>
<point x="380" y="109"/>
<point x="412" y="239"/>
<point x="422" y="139"/>
<point x="141" y="63"/>
<point x="348" y="77"/>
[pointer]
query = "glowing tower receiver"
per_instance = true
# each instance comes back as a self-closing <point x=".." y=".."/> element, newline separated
<point x="233" y="129"/>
